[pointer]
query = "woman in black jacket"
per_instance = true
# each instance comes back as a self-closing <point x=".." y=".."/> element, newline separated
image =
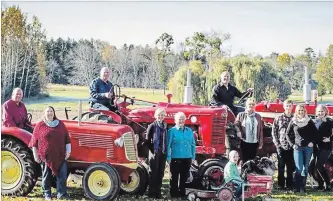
<point x="157" y="143"/>
<point x="323" y="144"/>
<point x="301" y="134"/>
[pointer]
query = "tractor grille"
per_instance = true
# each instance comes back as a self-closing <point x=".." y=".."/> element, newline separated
<point x="218" y="130"/>
<point x="130" y="148"/>
<point x="95" y="141"/>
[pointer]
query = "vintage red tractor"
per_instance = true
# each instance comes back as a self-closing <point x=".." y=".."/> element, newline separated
<point x="108" y="166"/>
<point x="212" y="127"/>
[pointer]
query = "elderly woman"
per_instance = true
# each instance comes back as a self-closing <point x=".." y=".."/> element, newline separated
<point x="51" y="147"/>
<point x="14" y="112"/>
<point x="157" y="142"/>
<point x="324" y="143"/>
<point x="301" y="133"/>
<point x="180" y="153"/>
<point x="250" y="130"/>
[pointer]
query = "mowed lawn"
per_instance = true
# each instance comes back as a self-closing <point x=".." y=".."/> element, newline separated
<point x="61" y="96"/>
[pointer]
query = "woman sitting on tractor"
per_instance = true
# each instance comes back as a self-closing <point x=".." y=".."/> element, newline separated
<point x="51" y="148"/>
<point x="323" y="144"/>
<point x="231" y="173"/>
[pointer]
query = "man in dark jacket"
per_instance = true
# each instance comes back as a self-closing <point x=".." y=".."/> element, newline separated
<point x="284" y="150"/>
<point x="102" y="92"/>
<point x="224" y="94"/>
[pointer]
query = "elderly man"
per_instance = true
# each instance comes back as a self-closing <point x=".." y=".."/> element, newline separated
<point x="224" y="94"/>
<point x="14" y="112"/>
<point x="102" y="92"/>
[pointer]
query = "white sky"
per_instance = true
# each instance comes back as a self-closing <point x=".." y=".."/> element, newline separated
<point x="255" y="27"/>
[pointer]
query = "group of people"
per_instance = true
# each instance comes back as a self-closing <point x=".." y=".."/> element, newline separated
<point x="296" y="138"/>
<point x="175" y="146"/>
<point x="50" y="142"/>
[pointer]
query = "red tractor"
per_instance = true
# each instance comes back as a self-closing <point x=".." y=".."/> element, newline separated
<point x="106" y="153"/>
<point x="210" y="125"/>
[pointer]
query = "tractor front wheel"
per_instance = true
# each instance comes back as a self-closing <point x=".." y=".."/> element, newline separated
<point x="101" y="181"/>
<point x="18" y="169"/>
<point x="137" y="183"/>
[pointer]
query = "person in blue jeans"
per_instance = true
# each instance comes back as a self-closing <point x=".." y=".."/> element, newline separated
<point x="301" y="135"/>
<point x="180" y="153"/>
<point x="231" y="173"/>
<point x="51" y="147"/>
<point x="323" y="146"/>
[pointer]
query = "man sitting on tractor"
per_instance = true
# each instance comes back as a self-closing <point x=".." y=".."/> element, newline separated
<point x="224" y="94"/>
<point x="102" y="92"/>
<point x="15" y="113"/>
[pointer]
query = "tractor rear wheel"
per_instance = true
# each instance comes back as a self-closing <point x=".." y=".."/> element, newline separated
<point x="18" y="168"/>
<point x="211" y="173"/>
<point x="138" y="182"/>
<point x="101" y="181"/>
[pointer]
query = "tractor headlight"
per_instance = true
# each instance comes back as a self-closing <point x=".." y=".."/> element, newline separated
<point x="193" y="119"/>
<point x="119" y="142"/>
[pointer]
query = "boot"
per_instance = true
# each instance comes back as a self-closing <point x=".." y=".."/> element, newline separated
<point x="303" y="184"/>
<point x="296" y="183"/>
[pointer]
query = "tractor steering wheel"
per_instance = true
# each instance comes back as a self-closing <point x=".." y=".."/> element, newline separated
<point x="116" y="93"/>
<point x="29" y="117"/>
<point x="244" y="97"/>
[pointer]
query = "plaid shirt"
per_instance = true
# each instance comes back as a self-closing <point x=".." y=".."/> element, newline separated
<point x="279" y="129"/>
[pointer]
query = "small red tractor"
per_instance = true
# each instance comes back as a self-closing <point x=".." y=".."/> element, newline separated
<point x="106" y="153"/>
<point x="257" y="175"/>
<point x="256" y="184"/>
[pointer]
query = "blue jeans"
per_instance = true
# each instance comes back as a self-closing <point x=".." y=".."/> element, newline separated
<point x="238" y="185"/>
<point x="61" y="180"/>
<point x="302" y="156"/>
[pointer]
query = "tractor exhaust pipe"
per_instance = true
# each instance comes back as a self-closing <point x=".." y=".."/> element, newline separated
<point x="80" y="113"/>
<point x="188" y="88"/>
<point x="306" y="86"/>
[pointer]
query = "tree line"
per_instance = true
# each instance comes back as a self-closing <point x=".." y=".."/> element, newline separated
<point x="30" y="61"/>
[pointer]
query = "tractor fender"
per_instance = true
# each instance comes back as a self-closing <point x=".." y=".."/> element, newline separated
<point x="123" y="171"/>
<point x="18" y="133"/>
<point x="222" y="159"/>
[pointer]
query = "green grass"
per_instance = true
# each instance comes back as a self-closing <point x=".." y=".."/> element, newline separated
<point x="56" y="90"/>
<point x="61" y="96"/>
<point x="76" y="193"/>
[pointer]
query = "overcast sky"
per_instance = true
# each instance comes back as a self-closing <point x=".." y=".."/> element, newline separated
<point x="255" y="27"/>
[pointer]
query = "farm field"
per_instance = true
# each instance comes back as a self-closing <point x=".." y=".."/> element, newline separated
<point x="61" y="96"/>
